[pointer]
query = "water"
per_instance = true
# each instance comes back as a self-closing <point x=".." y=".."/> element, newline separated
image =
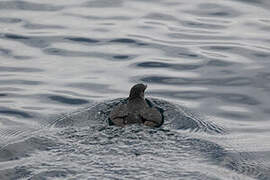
<point x="65" y="64"/>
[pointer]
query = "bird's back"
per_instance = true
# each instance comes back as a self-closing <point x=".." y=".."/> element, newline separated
<point x="136" y="111"/>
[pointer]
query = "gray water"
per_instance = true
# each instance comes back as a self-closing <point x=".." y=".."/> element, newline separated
<point x="65" y="64"/>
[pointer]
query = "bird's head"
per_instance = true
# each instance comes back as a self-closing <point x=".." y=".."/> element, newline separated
<point x="137" y="91"/>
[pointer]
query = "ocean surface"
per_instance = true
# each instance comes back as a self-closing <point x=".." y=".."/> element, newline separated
<point x="65" y="64"/>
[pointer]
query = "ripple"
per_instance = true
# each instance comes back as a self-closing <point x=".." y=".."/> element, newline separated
<point x="234" y="115"/>
<point x="103" y="4"/>
<point x="219" y="63"/>
<point x="82" y="40"/>
<point x="71" y="53"/>
<point x="59" y="56"/>
<point x="16" y="37"/>
<point x="5" y="52"/>
<point x="236" y="81"/>
<point x="19" y="69"/>
<point x="122" y="40"/>
<point x="215" y="10"/>
<point x="239" y="51"/>
<point x="65" y="100"/>
<point x="24" y="5"/>
<point x="102" y="88"/>
<point x="42" y="26"/>
<point x="189" y="55"/>
<point x="128" y="41"/>
<point x="160" y="17"/>
<point x="202" y="25"/>
<point x="9" y="20"/>
<point x="16" y="113"/>
<point x="261" y="54"/>
<point x="256" y="3"/>
<point x="183" y="35"/>
<point x="264" y="76"/>
<point x="174" y="116"/>
<point x="16" y="172"/>
<point x="37" y="42"/>
<point x="103" y="18"/>
<point x="23" y="57"/>
<point x="54" y="174"/>
<point x="194" y="95"/>
<point x="237" y="98"/>
<point x="154" y="64"/>
<point x="64" y="52"/>
<point x="11" y="89"/>
<point x="191" y="95"/>
<point x="45" y="41"/>
<point x="22" y="82"/>
<point x="22" y="149"/>
<point x="121" y="57"/>
<point x="221" y="48"/>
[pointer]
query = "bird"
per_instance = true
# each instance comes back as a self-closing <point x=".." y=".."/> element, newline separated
<point x="137" y="110"/>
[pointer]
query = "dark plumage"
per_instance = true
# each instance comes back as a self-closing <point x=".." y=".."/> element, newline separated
<point x="136" y="110"/>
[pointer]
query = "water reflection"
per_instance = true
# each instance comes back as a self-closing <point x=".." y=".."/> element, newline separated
<point x="59" y="56"/>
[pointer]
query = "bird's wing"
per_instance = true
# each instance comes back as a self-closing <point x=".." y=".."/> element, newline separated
<point x="119" y="111"/>
<point x="152" y="117"/>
